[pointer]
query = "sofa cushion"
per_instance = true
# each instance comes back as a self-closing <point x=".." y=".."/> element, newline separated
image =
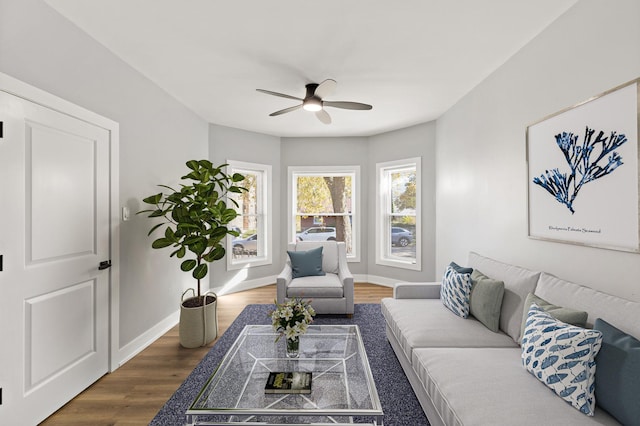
<point x="306" y="263"/>
<point x="455" y="292"/>
<point x="618" y="373"/>
<point x="562" y="357"/>
<point x="620" y="312"/>
<point x="315" y="286"/>
<point x="568" y="315"/>
<point x="518" y="282"/>
<point x="419" y="323"/>
<point x="488" y="386"/>
<point x="485" y="300"/>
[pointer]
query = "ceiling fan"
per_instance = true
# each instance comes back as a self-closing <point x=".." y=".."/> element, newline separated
<point x="313" y="101"/>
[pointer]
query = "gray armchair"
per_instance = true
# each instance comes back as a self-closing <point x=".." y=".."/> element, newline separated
<point x="331" y="293"/>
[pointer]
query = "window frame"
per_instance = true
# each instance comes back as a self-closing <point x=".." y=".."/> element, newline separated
<point x="264" y="209"/>
<point x="383" y="213"/>
<point x="354" y="171"/>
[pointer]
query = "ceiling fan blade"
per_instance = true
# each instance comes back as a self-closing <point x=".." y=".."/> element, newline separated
<point x="325" y="88"/>
<point x="282" y="95"/>
<point x="323" y="116"/>
<point x="286" y="110"/>
<point x="347" y="105"/>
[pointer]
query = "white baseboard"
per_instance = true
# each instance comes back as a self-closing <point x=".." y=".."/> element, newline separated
<point x="374" y="279"/>
<point x="140" y="343"/>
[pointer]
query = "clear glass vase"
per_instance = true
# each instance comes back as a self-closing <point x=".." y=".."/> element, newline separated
<point x="293" y="347"/>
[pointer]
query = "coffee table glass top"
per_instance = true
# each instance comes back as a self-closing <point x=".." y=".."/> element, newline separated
<point x="342" y="383"/>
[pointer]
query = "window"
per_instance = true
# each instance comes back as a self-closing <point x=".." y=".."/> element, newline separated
<point x="253" y="246"/>
<point x="398" y="214"/>
<point x="324" y="206"/>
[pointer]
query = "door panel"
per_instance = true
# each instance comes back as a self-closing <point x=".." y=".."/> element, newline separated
<point x="54" y="231"/>
<point x="60" y="193"/>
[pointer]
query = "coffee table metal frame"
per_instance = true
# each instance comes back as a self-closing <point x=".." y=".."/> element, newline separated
<point x="342" y="385"/>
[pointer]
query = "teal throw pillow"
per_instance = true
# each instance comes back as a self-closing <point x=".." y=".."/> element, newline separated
<point x="306" y="263"/>
<point x="562" y="357"/>
<point x="485" y="300"/>
<point x="454" y="292"/>
<point x="618" y="377"/>
<point x="460" y="269"/>
<point x="570" y="316"/>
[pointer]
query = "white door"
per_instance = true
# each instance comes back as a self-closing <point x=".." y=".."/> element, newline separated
<point x="54" y="232"/>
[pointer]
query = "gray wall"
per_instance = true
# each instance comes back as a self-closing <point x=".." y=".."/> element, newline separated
<point x="347" y="151"/>
<point x="226" y="143"/>
<point x="481" y="170"/>
<point x="415" y="141"/>
<point x="157" y="135"/>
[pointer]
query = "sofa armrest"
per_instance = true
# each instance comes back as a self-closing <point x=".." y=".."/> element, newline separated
<point x="416" y="290"/>
<point x="282" y="281"/>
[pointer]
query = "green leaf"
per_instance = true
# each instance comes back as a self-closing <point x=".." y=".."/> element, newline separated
<point x="181" y="252"/>
<point x="200" y="272"/>
<point x="188" y="265"/>
<point x="193" y="164"/>
<point x="153" y="199"/>
<point x="154" y="228"/>
<point x="157" y="213"/>
<point x="161" y="243"/>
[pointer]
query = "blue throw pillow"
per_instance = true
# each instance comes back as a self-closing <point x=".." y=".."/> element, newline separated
<point x="455" y="291"/>
<point x="618" y="377"/>
<point x="460" y="269"/>
<point x="562" y="356"/>
<point x="306" y="263"/>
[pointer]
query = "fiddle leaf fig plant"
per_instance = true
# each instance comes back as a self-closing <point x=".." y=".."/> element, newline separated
<point x="196" y="216"/>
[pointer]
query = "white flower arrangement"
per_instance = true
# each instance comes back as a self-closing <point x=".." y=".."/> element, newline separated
<point x="291" y="318"/>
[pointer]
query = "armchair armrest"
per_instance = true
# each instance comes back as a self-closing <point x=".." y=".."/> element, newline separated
<point x="282" y="281"/>
<point x="416" y="290"/>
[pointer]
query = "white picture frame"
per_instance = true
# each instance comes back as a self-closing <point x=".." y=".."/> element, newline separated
<point x="582" y="172"/>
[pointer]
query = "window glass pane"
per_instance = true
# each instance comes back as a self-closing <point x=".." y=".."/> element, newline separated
<point x="248" y="244"/>
<point x="403" y="191"/>
<point x="324" y="207"/>
<point x="402" y="243"/>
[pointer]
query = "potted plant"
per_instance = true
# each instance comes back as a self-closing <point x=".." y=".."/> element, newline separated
<point x="195" y="226"/>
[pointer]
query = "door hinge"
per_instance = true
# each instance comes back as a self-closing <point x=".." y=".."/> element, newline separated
<point x="105" y="264"/>
<point x="1" y="129"/>
<point x="1" y="257"/>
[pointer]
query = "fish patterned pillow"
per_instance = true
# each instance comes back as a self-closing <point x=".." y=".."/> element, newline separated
<point x="562" y="356"/>
<point x="455" y="292"/>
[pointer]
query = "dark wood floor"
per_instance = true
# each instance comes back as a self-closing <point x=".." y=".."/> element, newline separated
<point x="135" y="392"/>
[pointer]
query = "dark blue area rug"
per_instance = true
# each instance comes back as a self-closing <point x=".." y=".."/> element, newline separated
<point x="399" y="403"/>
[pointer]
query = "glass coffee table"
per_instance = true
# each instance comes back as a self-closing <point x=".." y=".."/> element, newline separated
<point x="342" y="391"/>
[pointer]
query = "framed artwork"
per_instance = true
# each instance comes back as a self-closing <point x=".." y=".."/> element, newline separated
<point x="582" y="172"/>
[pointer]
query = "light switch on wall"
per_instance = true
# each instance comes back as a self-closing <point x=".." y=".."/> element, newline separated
<point x="125" y="213"/>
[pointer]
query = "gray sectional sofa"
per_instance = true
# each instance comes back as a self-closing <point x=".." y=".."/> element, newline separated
<point x="465" y="374"/>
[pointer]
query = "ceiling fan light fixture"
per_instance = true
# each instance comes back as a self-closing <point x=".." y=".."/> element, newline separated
<point x="312" y="104"/>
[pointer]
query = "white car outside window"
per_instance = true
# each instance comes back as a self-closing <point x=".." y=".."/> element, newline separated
<point x="317" y="233"/>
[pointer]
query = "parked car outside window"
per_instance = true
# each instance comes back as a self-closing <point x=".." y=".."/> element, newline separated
<point x="400" y="236"/>
<point x="317" y="233"/>
<point x="247" y="245"/>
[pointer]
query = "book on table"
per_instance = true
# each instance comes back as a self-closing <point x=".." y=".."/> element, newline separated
<point x="288" y="382"/>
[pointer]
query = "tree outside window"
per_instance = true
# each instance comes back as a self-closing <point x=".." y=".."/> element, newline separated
<point x="324" y="206"/>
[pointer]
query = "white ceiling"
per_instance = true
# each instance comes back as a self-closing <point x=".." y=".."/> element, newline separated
<point x="410" y="59"/>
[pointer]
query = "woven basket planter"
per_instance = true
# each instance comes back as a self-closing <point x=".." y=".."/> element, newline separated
<point x="198" y="325"/>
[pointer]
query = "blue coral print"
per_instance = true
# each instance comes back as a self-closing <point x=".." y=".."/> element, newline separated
<point x="594" y="159"/>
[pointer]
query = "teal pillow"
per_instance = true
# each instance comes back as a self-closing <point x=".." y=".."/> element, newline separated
<point x="618" y="373"/>
<point x="485" y="300"/>
<point x="570" y="316"/>
<point x="306" y="263"/>
<point x="460" y="269"/>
